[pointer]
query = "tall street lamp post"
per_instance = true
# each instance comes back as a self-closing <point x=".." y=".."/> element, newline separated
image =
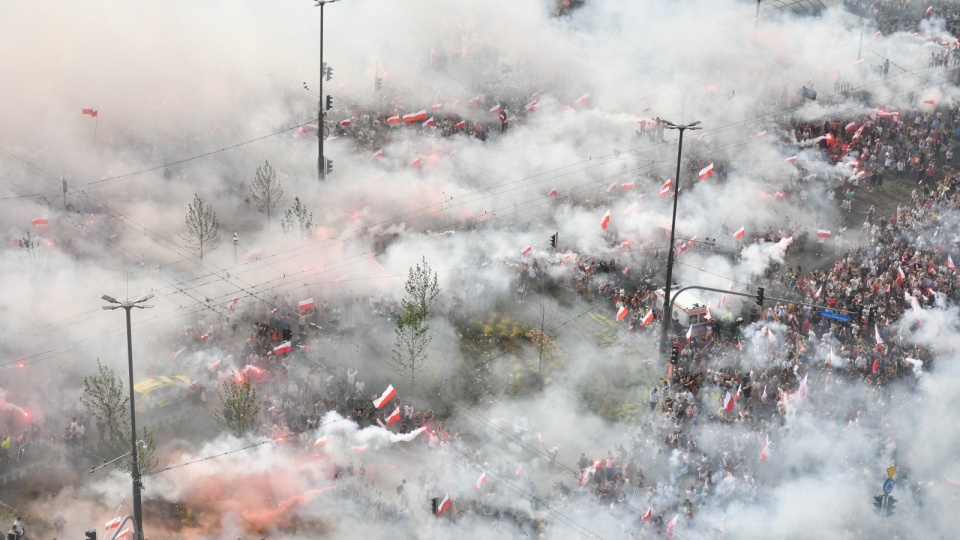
<point x="321" y="162"/>
<point x="127" y="305"/>
<point x="667" y="311"/>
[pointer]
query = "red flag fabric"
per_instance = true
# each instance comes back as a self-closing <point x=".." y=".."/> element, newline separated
<point x="90" y="111"/>
<point x="461" y="124"/>
<point x="670" y="526"/>
<point x="415" y="163"/>
<point x="822" y="233"/>
<point x="876" y="366"/>
<point x="456" y="104"/>
<point x="40" y="223"/>
<point x="689" y="333"/>
<point x="627" y="187"/>
<point x="876" y="335"/>
<point x="605" y="220"/>
<point x="802" y="390"/>
<point x="930" y="101"/>
<point x="320" y="442"/>
<point x="215" y="365"/>
<point x="430" y="122"/>
<point x="850" y="127"/>
<point x="495" y="109"/>
<point x="233" y="303"/>
<point x="520" y="471"/>
<point x="393" y="120"/>
<point x="765" y="451"/>
<point x="437" y="107"/>
<point x="113" y="524"/>
<point x="622" y="313"/>
<point x="125" y="532"/>
<point x="480" y="482"/>
<point x="728" y="402"/>
<point x="531" y="107"/>
<point x="358" y="449"/>
<point x="378" y="154"/>
<point x="385" y="397"/>
<point x="648" y="516"/>
<point x="443" y="506"/>
<point x="582" y="100"/>
<point x="648" y="318"/>
<point x="475" y="100"/>
<point x="819" y="290"/>
<point x="706" y="172"/>
<point x="536" y="94"/>
<point x="526" y="250"/>
<point x="306" y="304"/>
<point x="665" y="188"/>
<point x="394" y="416"/>
<point x="739" y="234"/>
<point x="345" y="123"/>
<point x="950" y="263"/>
<point x="791" y="159"/>
<point x="900" y="275"/>
<point x="418" y="116"/>
<point x="552" y="192"/>
<point x="284" y="347"/>
<point x="857" y="134"/>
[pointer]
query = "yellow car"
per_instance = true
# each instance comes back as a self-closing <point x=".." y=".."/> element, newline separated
<point x="161" y="391"/>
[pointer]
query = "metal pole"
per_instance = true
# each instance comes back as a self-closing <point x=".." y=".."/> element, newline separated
<point x="756" y="21"/>
<point x="667" y="311"/>
<point x="135" y="467"/>
<point x="860" y="46"/>
<point x="320" y="162"/>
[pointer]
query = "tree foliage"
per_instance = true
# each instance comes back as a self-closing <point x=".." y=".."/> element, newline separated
<point x="239" y="406"/>
<point x="297" y="220"/>
<point x="32" y="253"/>
<point x="265" y="189"/>
<point x="106" y="399"/>
<point x="203" y="229"/>
<point x="412" y="332"/>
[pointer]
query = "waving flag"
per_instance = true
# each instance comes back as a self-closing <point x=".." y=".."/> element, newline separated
<point x="819" y="290"/>
<point x="306" y="304"/>
<point x="665" y="188"/>
<point x="495" y="109"/>
<point x="394" y="416"/>
<point x="475" y="100"/>
<point x="791" y="159"/>
<point x="284" y="347"/>
<point x="605" y="220"/>
<point x="385" y="397"/>
<point x="461" y="125"/>
<point x="418" y="116"/>
<point x="728" y="402"/>
<point x="526" y="250"/>
<point x="113" y="524"/>
<point x="850" y="127"/>
<point x="536" y="94"/>
<point x="42" y="223"/>
<point x="456" y="104"/>
<point x="378" y="154"/>
<point x="345" y="123"/>
<point x="415" y="163"/>
<point x="876" y="335"/>
<point x="823" y="233"/>
<point x="670" y="526"/>
<point x="531" y="107"/>
<point x="554" y="192"/>
<point x="765" y="451"/>
<point x="950" y="263"/>
<point x="443" y="506"/>
<point x="480" y="482"/>
<point x="320" y="442"/>
<point x="582" y="100"/>
<point x="622" y="313"/>
<point x="802" y="391"/>
<point x="706" y="172"/>
<point x="430" y="122"/>
<point x="738" y="235"/>
<point x="648" y="318"/>
<point x="437" y="107"/>
<point x="393" y="120"/>
<point x="689" y="333"/>
<point x="648" y="516"/>
<point x="90" y="111"/>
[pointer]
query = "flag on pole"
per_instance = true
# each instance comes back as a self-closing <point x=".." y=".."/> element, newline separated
<point x="89" y="111"/>
<point x="378" y="154"/>
<point x="689" y="333"/>
<point x="728" y="402"/>
<point x="536" y="94"/>
<point x="605" y="220"/>
<point x="443" y="506"/>
<point x="648" y="318"/>
<point x="802" y="391"/>
<point x="480" y="482"/>
<point x="876" y="334"/>
<point x="791" y="159"/>
<point x="648" y="516"/>
<point x="765" y="451"/>
<point x="475" y="100"/>
<point x="385" y="397"/>
<point x="670" y="526"/>
<point x="430" y="122"/>
<point x="665" y="188"/>
<point x="622" y="313"/>
<point x="393" y="120"/>
<point x="394" y="416"/>
<point x="531" y="107"/>
<point x="950" y="263"/>
<point x="306" y="304"/>
<point x="738" y="235"/>
<point x="901" y="277"/>
<point x="819" y="290"/>
<point x="552" y="192"/>
<point x="526" y="250"/>
<point x="496" y="109"/>
<point x="437" y="107"/>
<point x="582" y="100"/>
<point x="706" y="172"/>
<point x="461" y="124"/>
<point x="113" y="524"/>
<point x="823" y="233"/>
<point x="345" y="123"/>
<point x="850" y="127"/>
<point x="763" y="396"/>
<point x="876" y="366"/>
<point x="284" y="347"/>
<point x="320" y="442"/>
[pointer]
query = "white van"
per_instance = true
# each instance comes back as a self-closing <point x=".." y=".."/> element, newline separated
<point x="688" y="310"/>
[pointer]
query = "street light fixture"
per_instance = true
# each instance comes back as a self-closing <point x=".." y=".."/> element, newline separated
<point x="667" y="311"/>
<point x="127" y="305"/>
<point x="321" y="163"/>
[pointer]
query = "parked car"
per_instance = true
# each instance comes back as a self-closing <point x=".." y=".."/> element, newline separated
<point x="161" y="391"/>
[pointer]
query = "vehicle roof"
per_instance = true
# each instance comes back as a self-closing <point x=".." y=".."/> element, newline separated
<point x="161" y="380"/>
<point x="685" y="300"/>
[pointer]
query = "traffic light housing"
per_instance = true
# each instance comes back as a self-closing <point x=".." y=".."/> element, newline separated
<point x="378" y="83"/>
<point x="878" y="503"/>
<point x="90" y="535"/>
<point x="674" y="354"/>
<point x="434" y="505"/>
<point x="329" y="103"/>
<point x="328" y="166"/>
<point x="891" y="506"/>
<point x="553" y="240"/>
<point x="760" y="296"/>
<point x="329" y="73"/>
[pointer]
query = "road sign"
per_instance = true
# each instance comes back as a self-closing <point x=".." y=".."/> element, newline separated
<point x="891" y="471"/>
<point x="888" y="486"/>
<point x="834" y="316"/>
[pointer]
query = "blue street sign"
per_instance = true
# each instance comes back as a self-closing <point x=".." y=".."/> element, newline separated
<point x="888" y="486"/>
<point x="834" y="316"/>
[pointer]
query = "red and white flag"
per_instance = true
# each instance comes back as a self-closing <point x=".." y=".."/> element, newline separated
<point x="461" y="124"/>
<point x="665" y="188"/>
<point x="40" y="223"/>
<point x="418" y="116"/>
<point x="819" y="290"/>
<point x="430" y="122"/>
<point x="582" y="100"/>
<point x="215" y="365"/>
<point x="443" y="506"/>
<point x="536" y="94"/>
<point x="791" y="159"/>
<point x="823" y="233"/>
<point x="394" y="416"/>
<point x="802" y="391"/>
<point x="738" y="235"/>
<point x="393" y="120"/>
<point x="385" y="397"/>
<point x="306" y="304"/>
<point x="622" y="313"/>
<point x="320" y="442"/>
<point x="763" y="396"/>
<point x="495" y="109"/>
<point x="475" y="100"/>
<point x="345" y="123"/>
<point x="378" y="154"/>
<point x="480" y="482"/>
<point x="950" y="263"/>
<point x="689" y="333"/>
<point x="850" y="127"/>
<point x="90" y="111"/>
<point x="415" y="164"/>
<point x="284" y="347"/>
<point x="765" y="451"/>
<point x="552" y="192"/>
<point x="113" y="524"/>
<point x="648" y="318"/>
<point x="728" y="402"/>
<point x="437" y="107"/>
<point x="232" y="304"/>
<point x="857" y="133"/>
<point x="456" y="104"/>
<point x="526" y="250"/>
<point x="929" y="10"/>
<point x="706" y="172"/>
<point x="519" y="471"/>
<point x="648" y="516"/>
<point x="876" y="334"/>
<point x="605" y="220"/>
<point x="627" y="187"/>
<point x="670" y="526"/>
<point x="125" y="532"/>
<point x="531" y="107"/>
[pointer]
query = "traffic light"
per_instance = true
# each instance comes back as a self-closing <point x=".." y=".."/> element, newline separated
<point x="674" y="354"/>
<point x="553" y="240"/>
<point x="90" y="535"/>
<point x="891" y="502"/>
<point x="329" y="103"/>
<point x="378" y="83"/>
<point x="329" y="73"/>
<point x="328" y="166"/>
<point x="760" y="296"/>
<point x="434" y="505"/>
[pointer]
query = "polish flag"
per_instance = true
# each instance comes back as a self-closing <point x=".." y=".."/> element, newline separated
<point x="89" y="112"/>
<point x="739" y="345"/>
<point x="670" y="527"/>
<point x="215" y="365"/>
<point x="358" y="449"/>
<point x="665" y="188"/>
<point x="802" y="391"/>
<point x="40" y="223"/>
<point x="418" y="116"/>
<point x="648" y="318"/>
<point x="627" y="187"/>
<point x="929" y="10"/>
<point x="415" y="163"/>
<point x="763" y="397"/>
<point x="536" y="94"/>
<point x="738" y="235"/>
<point x="437" y="107"/>
<point x="622" y="313"/>
<point x="728" y="402"/>
<point x="900" y="275"/>
<point x="461" y="124"/>
<point x="648" y="516"/>
<point x="284" y="347"/>
<point x="475" y="100"/>
<point x="393" y="120"/>
<point x="300" y="132"/>
<point x="526" y="250"/>
<point x="430" y="122"/>
<point x="582" y="100"/>
<point x="519" y="471"/>
<point x="480" y="482"/>
<point x="113" y="524"/>
<point x="762" y="134"/>
<point x="819" y="290"/>
<point x="791" y="159"/>
<point x="378" y="154"/>
<point x="204" y="337"/>
<point x="612" y="187"/>
<point x="857" y="134"/>
<point x="554" y="192"/>
<point x="394" y="416"/>
<point x="345" y="123"/>
<point x="443" y="506"/>
<point x="765" y="451"/>
<point x="495" y="109"/>
<point x="707" y="315"/>
<point x="876" y="335"/>
<point x="274" y="311"/>
<point x="123" y="533"/>
<point x="950" y="263"/>
<point x="689" y="333"/>
<point x="822" y="233"/>
<point x="306" y="304"/>
<point x="850" y="127"/>
<point x="878" y="34"/>
<point x="320" y="442"/>
<point x="706" y="172"/>
<point x="531" y="107"/>
<point x="232" y="304"/>
<point x="876" y="366"/>
<point x="605" y="220"/>
<point x="384" y="398"/>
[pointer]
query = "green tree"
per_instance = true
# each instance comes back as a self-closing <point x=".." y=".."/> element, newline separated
<point x="265" y="189"/>
<point x="106" y="399"/>
<point x="32" y="254"/>
<point x="297" y="220"/>
<point x="239" y="406"/>
<point x="412" y="332"/>
<point x="203" y="229"/>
